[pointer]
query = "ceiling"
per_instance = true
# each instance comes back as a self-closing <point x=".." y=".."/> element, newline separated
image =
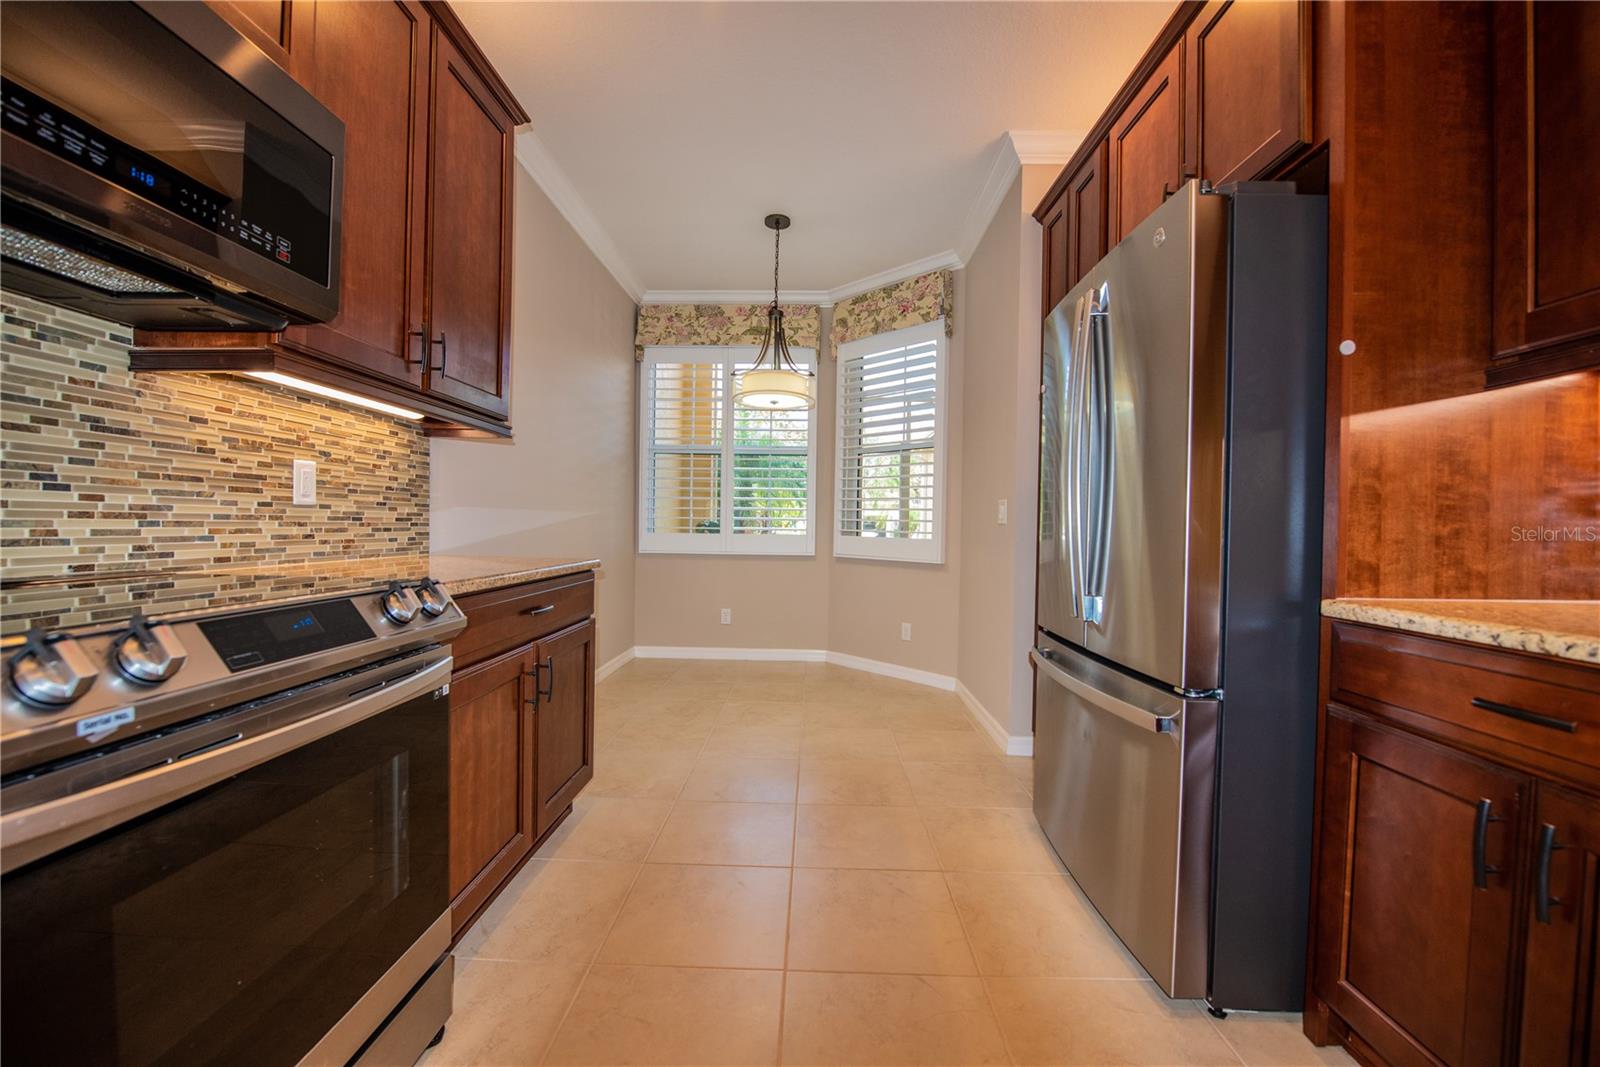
<point x="666" y="131"/>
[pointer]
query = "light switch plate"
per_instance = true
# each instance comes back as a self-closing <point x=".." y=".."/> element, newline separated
<point x="305" y="481"/>
<point x="905" y="631"/>
<point x="1000" y="515"/>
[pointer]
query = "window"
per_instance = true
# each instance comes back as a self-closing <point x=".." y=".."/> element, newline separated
<point x="716" y="477"/>
<point x="891" y="446"/>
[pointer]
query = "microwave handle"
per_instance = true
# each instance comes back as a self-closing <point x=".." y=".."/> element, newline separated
<point x="34" y="832"/>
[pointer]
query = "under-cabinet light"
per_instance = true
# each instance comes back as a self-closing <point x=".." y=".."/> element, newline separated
<point x="289" y="381"/>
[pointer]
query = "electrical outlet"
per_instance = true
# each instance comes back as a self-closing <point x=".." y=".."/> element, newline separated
<point x="727" y="616"/>
<point x="1000" y="515"/>
<point x="905" y="631"/>
<point x="305" y="481"/>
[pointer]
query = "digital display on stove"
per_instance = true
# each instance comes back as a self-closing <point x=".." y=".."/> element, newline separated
<point x="291" y="626"/>
<point x="245" y="641"/>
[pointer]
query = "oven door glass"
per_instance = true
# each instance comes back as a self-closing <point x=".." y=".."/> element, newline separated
<point x="238" y="924"/>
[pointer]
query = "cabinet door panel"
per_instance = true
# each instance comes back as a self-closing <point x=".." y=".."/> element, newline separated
<point x="1057" y="252"/>
<point x="1560" y="991"/>
<point x="1146" y="147"/>
<point x="469" y="237"/>
<point x="491" y="777"/>
<point x="1412" y="951"/>
<point x="565" y="721"/>
<point x="372" y="72"/>
<point x="1547" y="153"/>
<point x="1086" y="198"/>
<point x="275" y="27"/>
<point x="1247" y="107"/>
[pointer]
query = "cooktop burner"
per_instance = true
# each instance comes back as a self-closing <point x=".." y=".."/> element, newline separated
<point x="111" y="595"/>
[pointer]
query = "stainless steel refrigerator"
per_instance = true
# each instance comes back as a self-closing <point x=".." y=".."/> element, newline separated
<point x="1179" y="572"/>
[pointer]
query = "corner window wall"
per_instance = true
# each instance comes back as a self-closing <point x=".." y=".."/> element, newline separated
<point x="716" y="477"/>
<point x="891" y="445"/>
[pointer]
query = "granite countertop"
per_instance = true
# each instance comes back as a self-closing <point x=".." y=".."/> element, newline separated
<point x="474" y="574"/>
<point x="1569" y="629"/>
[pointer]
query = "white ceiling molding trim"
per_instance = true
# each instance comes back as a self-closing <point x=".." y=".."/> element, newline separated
<point x="734" y="296"/>
<point x="1016" y="149"/>
<point x="946" y="260"/>
<point x="1044" y="146"/>
<point x="539" y="164"/>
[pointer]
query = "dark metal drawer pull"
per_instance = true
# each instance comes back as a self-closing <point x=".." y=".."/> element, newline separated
<point x="540" y="610"/>
<point x="1542" y="898"/>
<point x="1480" y="844"/>
<point x="1524" y="715"/>
<point x="550" y="675"/>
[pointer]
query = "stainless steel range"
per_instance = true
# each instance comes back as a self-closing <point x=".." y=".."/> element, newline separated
<point x="224" y="831"/>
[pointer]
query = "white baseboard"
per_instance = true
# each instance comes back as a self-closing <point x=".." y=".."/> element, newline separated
<point x="786" y="655"/>
<point x="615" y="663"/>
<point x="1010" y="744"/>
<point x="893" y="670"/>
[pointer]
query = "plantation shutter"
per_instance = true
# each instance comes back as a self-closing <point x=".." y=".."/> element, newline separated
<point x="771" y="480"/>
<point x="716" y="477"/>
<point x="891" y="429"/>
<point x="683" y="407"/>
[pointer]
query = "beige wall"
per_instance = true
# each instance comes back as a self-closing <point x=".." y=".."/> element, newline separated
<point x="564" y="484"/>
<point x="1000" y="453"/>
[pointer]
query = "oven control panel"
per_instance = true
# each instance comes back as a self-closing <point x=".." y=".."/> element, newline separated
<point x="77" y="689"/>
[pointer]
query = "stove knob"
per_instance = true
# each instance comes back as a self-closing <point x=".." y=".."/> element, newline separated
<point x="52" y="673"/>
<point x="148" y="654"/>
<point x="432" y="598"/>
<point x="399" y="604"/>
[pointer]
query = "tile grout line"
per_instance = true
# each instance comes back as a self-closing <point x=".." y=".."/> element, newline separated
<point x="944" y="877"/>
<point x="788" y="913"/>
<point x="612" y="925"/>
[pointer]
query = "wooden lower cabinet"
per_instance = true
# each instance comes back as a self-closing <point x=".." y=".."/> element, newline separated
<point x="1559" y="996"/>
<point x="1457" y="860"/>
<point x="521" y="729"/>
<point x="564" y="721"/>
<point x="1418" y="889"/>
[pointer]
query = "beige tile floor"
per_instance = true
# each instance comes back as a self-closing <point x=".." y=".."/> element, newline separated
<point x="799" y="863"/>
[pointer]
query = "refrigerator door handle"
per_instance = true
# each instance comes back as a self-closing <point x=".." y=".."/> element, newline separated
<point x="1072" y="465"/>
<point x="1130" y="713"/>
<point x="1102" y="454"/>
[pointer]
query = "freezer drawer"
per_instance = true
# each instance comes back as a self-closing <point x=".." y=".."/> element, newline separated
<point x="1124" y="777"/>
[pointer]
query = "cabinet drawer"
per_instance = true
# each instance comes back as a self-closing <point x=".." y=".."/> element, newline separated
<point x="1527" y="708"/>
<point x="504" y="618"/>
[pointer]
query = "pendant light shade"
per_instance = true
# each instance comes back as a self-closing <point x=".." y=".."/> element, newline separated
<point x="783" y="386"/>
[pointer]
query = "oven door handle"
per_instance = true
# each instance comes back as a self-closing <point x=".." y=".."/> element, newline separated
<point x="34" y="832"/>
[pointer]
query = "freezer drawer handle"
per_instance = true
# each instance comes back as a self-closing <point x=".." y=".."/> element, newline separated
<point x="1132" y="713"/>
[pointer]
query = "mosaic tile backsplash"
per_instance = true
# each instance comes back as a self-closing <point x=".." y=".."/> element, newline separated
<point x="101" y="468"/>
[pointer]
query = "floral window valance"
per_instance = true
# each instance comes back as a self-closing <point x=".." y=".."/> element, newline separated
<point x="925" y="298"/>
<point x="723" y="324"/>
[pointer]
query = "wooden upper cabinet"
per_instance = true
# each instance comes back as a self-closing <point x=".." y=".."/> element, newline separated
<point x="1146" y="148"/>
<point x="1561" y="1001"/>
<point x="280" y="28"/>
<point x="491" y="777"/>
<point x="1546" y="162"/>
<point x="469" y="237"/>
<point x="1075" y="228"/>
<point x="1057" y="252"/>
<point x="1247" y="101"/>
<point x="1420" y="855"/>
<point x="372" y="71"/>
<point x="565" y="721"/>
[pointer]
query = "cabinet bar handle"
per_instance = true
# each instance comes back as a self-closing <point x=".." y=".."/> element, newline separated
<point x="550" y="679"/>
<point x="1524" y="715"/>
<point x="1480" y="843"/>
<point x="540" y="610"/>
<point x="1543" y="899"/>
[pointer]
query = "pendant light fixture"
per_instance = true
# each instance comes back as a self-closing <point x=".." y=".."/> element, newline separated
<point x="783" y="386"/>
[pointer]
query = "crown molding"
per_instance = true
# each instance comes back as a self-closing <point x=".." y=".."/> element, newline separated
<point x="734" y="296"/>
<point x="539" y="164"/>
<point x="1044" y="146"/>
<point x="1017" y="148"/>
<point x="938" y="261"/>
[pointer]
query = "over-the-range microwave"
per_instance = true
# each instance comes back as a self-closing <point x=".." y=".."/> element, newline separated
<point x="159" y="170"/>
